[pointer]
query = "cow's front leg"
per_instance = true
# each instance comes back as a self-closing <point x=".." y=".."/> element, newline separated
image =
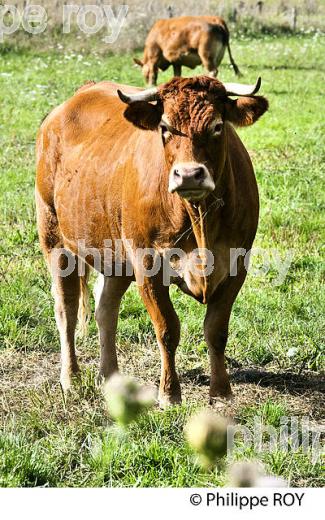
<point x="108" y="295"/>
<point x="167" y="327"/>
<point x="213" y="73"/>
<point x="216" y="334"/>
<point x="153" y="74"/>
<point x="177" y="70"/>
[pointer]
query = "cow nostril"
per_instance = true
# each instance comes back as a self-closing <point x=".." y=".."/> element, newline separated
<point x="176" y="173"/>
<point x="199" y="174"/>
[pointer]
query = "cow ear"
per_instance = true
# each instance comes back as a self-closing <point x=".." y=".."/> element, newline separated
<point x="144" y="115"/>
<point x="138" y="62"/>
<point x="244" y="111"/>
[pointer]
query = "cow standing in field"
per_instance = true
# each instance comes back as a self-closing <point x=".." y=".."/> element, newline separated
<point x="188" y="41"/>
<point x="158" y="169"/>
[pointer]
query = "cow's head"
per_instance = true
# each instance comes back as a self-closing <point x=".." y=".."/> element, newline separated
<point x="192" y="116"/>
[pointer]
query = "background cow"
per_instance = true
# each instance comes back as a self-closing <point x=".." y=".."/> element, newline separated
<point x="188" y="41"/>
<point x="163" y="168"/>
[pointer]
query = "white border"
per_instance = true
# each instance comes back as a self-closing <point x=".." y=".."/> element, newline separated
<point x="148" y="504"/>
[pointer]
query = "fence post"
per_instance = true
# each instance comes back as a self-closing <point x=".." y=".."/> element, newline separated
<point x="170" y="11"/>
<point x="259" y="6"/>
<point x="294" y="14"/>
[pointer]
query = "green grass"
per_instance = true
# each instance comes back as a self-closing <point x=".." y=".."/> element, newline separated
<point x="44" y="441"/>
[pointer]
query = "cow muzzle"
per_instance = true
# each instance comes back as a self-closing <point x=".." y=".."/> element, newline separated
<point x="192" y="181"/>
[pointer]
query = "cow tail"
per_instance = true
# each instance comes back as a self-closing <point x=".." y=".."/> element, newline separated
<point x="84" y="310"/>
<point x="232" y="61"/>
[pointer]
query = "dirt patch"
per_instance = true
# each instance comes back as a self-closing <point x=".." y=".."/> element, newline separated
<point x="22" y="373"/>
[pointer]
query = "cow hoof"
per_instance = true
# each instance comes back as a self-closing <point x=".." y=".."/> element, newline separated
<point x="65" y="384"/>
<point x="166" y="401"/>
<point x="67" y="377"/>
<point x="100" y="380"/>
<point x="221" y="400"/>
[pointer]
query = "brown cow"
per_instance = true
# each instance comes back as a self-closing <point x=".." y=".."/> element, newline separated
<point x="162" y="168"/>
<point x="188" y="41"/>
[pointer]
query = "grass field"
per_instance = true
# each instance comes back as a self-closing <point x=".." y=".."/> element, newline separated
<point x="276" y="344"/>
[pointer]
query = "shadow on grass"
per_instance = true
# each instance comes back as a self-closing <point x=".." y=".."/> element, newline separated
<point x="282" y="381"/>
<point x="294" y="384"/>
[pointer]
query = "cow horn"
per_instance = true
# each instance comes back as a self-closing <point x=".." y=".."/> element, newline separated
<point x="237" y="89"/>
<point x="150" y="94"/>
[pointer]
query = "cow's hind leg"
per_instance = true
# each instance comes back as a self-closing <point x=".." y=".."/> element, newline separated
<point x="211" y="54"/>
<point x="167" y="328"/>
<point x="66" y="286"/>
<point x="220" y="52"/>
<point x="207" y="55"/>
<point x="66" y="292"/>
<point x="108" y="295"/>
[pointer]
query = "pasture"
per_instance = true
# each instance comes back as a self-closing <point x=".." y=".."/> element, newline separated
<point x="276" y="344"/>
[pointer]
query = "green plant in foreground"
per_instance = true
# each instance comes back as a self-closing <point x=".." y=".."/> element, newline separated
<point x="126" y="399"/>
<point x="206" y="433"/>
<point x="252" y="474"/>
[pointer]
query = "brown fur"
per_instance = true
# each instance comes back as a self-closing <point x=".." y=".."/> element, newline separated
<point x="101" y="176"/>
<point x="185" y="41"/>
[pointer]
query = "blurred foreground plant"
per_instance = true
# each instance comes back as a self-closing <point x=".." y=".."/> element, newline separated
<point x="206" y="433"/>
<point x="126" y="399"/>
<point x="252" y="474"/>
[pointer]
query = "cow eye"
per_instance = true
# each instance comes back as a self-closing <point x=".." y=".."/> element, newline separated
<point x="165" y="132"/>
<point x="218" y="129"/>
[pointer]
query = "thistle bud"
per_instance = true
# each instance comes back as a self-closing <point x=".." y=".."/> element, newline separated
<point x="270" y="481"/>
<point x="244" y="474"/>
<point x="126" y="399"/>
<point x="252" y="474"/>
<point x="206" y="433"/>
